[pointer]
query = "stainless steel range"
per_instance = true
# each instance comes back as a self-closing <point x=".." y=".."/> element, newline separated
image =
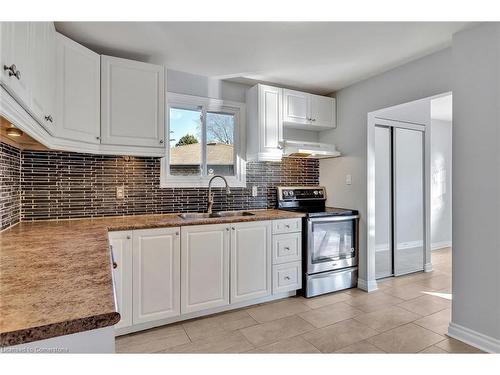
<point x="330" y="240"/>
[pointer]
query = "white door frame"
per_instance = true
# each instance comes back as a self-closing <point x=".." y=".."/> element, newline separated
<point x="377" y="117"/>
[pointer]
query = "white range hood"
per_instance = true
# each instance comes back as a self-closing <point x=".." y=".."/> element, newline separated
<point x="313" y="150"/>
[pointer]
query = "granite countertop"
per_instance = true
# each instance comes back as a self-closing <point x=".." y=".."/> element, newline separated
<point x="56" y="276"/>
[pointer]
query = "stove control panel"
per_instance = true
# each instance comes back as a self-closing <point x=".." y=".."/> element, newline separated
<point x="289" y="193"/>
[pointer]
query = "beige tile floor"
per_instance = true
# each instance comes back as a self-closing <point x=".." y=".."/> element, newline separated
<point x="409" y="314"/>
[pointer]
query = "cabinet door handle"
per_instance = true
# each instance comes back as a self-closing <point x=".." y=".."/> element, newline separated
<point x="287" y="226"/>
<point x="12" y="71"/>
<point x="313" y="119"/>
<point x="128" y="237"/>
<point x="227" y="229"/>
<point x="161" y="141"/>
<point x="287" y="277"/>
<point x="49" y="118"/>
<point x="176" y="233"/>
<point x="287" y="248"/>
<point x="115" y="265"/>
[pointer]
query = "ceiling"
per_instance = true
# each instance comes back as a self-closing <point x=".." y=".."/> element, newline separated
<point x="442" y="108"/>
<point x="318" y="56"/>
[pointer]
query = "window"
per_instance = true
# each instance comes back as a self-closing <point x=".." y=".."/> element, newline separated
<point x="206" y="138"/>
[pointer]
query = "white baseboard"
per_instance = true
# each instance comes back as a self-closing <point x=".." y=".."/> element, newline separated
<point x="369" y="286"/>
<point x="476" y="339"/>
<point x="440" y="245"/>
<point x="197" y="314"/>
<point x="428" y="267"/>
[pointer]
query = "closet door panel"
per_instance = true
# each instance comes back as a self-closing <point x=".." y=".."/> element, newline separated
<point x="408" y="165"/>
<point x="383" y="202"/>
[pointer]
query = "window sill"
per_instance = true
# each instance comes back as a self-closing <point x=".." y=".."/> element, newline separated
<point x="201" y="182"/>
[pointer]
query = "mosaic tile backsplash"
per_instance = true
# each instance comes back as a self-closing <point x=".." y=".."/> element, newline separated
<point x="60" y="185"/>
<point x="10" y="185"/>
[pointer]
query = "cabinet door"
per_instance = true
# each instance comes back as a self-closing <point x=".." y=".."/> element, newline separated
<point x="43" y="57"/>
<point x="156" y="270"/>
<point x="296" y="107"/>
<point x="78" y="92"/>
<point x="121" y="246"/>
<point x="270" y="122"/>
<point x="204" y="267"/>
<point x="15" y="50"/>
<point x="250" y="260"/>
<point x="322" y="111"/>
<point x="132" y="103"/>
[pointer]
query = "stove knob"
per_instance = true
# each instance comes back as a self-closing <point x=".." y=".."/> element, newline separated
<point x="316" y="192"/>
<point x="291" y="193"/>
<point x="285" y="193"/>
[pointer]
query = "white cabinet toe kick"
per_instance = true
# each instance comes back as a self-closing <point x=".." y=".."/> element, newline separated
<point x="166" y="275"/>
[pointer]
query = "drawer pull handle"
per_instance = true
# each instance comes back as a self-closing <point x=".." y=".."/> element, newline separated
<point x="287" y="277"/>
<point x="287" y="225"/>
<point x="287" y="248"/>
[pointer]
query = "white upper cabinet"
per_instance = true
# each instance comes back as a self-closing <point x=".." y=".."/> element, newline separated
<point x="28" y="68"/>
<point x="15" y="60"/>
<point x="322" y="111"/>
<point x="132" y="103"/>
<point x="296" y="107"/>
<point x="265" y="123"/>
<point x="78" y="92"/>
<point x="204" y="267"/>
<point x="250" y="260"/>
<point x="156" y="274"/>
<point x="307" y="111"/>
<point x="43" y="88"/>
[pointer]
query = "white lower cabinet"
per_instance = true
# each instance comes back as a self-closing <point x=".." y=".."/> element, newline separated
<point x="250" y="260"/>
<point x="156" y="274"/>
<point x="147" y="274"/>
<point x="204" y="267"/>
<point x="165" y="275"/>
<point x="121" y="246"/>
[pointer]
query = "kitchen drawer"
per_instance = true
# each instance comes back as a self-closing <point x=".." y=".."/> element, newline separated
<point x="287" y="277"/>
<point x="287" y="226"/>
<point x="287" y="248"/>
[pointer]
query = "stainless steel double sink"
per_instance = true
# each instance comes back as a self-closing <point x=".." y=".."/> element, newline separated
<point x="205" y="215"/>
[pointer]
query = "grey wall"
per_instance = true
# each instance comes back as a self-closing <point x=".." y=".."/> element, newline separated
<point x="192" y="84"/>
<point x="441" y="188"/>
<point x="476" y="180"/>
<point x="419" y="79"/>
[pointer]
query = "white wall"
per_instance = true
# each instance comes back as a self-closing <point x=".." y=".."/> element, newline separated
<point x="476" y="184"/>
<point x="441" y="188"/>
<point x="419" y="79"/>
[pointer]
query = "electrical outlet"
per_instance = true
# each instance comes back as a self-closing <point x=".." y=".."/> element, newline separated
<point x="348" y="179"/>
<point x="255" y="192"/>
<point x="120" y="192"/>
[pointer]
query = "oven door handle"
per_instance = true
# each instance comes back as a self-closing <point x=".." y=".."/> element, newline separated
<point x="333" y="218"/>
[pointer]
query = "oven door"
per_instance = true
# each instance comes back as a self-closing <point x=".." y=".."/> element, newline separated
<point x="331" y="243"/>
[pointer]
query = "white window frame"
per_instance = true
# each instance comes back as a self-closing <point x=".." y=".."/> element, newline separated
<point x="175" y="100"/>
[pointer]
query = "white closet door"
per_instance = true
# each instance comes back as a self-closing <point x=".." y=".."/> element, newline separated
<point x="408" y="201"/>
<point x="383" y="202"/>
